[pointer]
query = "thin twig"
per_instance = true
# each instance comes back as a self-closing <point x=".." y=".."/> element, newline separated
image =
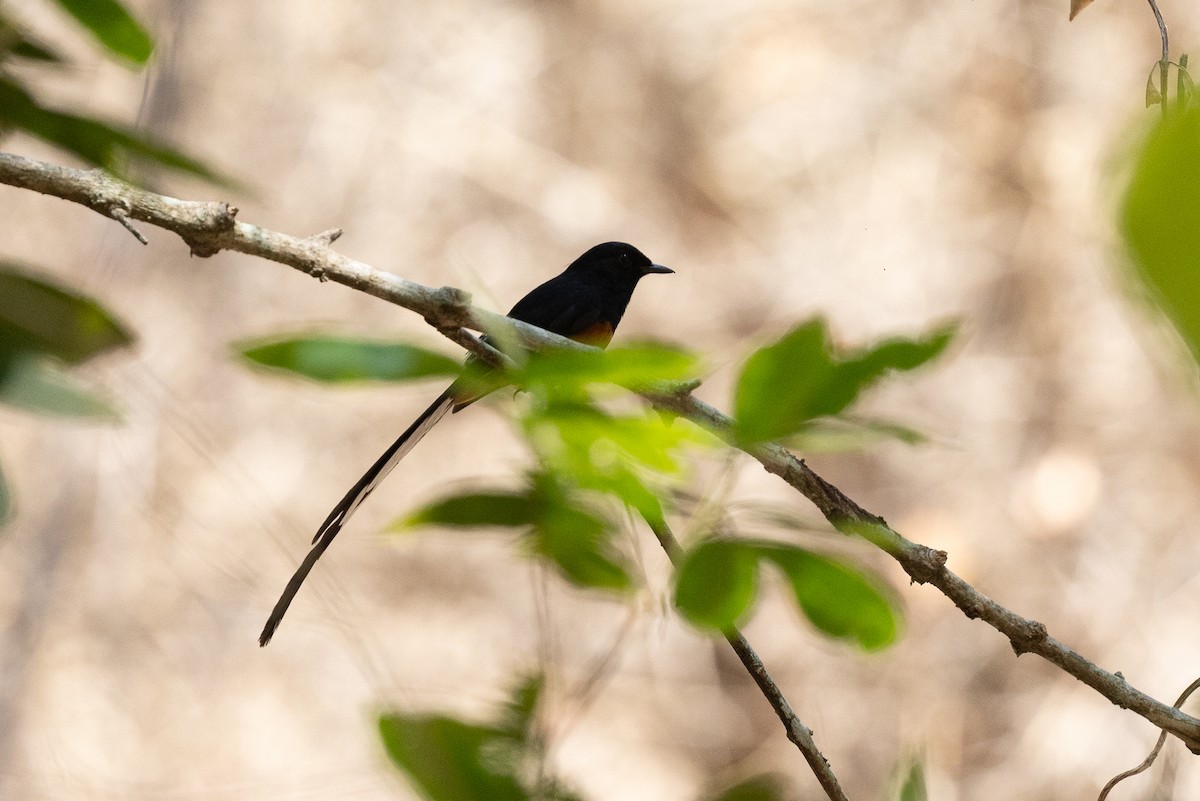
<point x="1153" y="755"/>
<point x="797" y="732"/>
<point x="208" y="228"/>
<point x="1164" y="63"/>
<point x="119" y="214"/>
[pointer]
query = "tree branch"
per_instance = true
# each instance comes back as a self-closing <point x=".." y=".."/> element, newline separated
<point x="208" y="228"/>
<point x="797" y="732"/>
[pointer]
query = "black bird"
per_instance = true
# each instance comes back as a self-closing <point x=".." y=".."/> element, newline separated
<point x="585" y="303"/>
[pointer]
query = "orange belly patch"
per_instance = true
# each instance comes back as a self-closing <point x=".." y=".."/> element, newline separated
<point x="599" y="335"/>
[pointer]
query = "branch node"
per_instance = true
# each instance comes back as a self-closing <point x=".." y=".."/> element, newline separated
<point x="219" y="220"/>
<point x="972" y="610"/>
<point x="452" y="308"/>
<point x="1030" y="634"/>
<point x="327" y="237"/>
<point x="120" y="212"/>
<point x="925" y="564"/>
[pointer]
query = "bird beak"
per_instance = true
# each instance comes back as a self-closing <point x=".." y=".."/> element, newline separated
<point x="657" y="268"/>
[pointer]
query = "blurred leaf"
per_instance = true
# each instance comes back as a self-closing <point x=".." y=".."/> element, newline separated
<point x="780" y="385"/>
<point x="37" y="384"/>
<point x="557" y="528"/>
<point x="607" y="441"/>
<point x="5" y="501"/>
<point x="41" y="316"/>
<point x="716" y="583"/>
<point x="912" y="788"/>
<point x="93" y="141"/>
<point x="875" y="532"/>
<point x="845" y="433"/>
<point x="340" y="360"/>
<point x="900" y="353"/>
<point x="113" y="27"/>
<point x="448" y="760"/>
<point x="785" y="517"/>
<point x="579" y="544"/>
<point x="27" y="48"/>
<point x="757" y="788"/>
<point x="1187" y="88"/>
<point x="1153" y="96"/>
<point x="1159" y="221"/>
<point x="613" y="454"/>
<point x="1076" y="7"/>
<point x="16" y="42"/>
<point x="520" y="709"/>
<point x="478" y="509"/>
<point x="634" y="367"/>
<point x="838" y="599"/>
<point x="799" y="378"/>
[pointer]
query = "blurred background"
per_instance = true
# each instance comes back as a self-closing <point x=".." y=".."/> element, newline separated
<point x="890" y="166"/>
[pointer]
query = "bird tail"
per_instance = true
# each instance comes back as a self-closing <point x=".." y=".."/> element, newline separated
<point x="354" y="498"/>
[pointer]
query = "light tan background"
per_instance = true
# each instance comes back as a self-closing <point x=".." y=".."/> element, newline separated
<point x="890" y="165"/>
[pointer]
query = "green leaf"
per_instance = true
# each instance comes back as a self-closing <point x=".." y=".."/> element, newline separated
<point x="448" y="760"/>
<point x="716" y="583"/>
<point x="634" y="367"/>
<point x="5" y="501"/>
<point x="1158" y="219"/>
<point x="94" y="142"/>
<point x="16" y="42"/>
<point x="605" y="442"/>
<point x="36" y="314"/>
<point x="758" y="788"/>
<point x="558" y="528"/>
<point x="838" y="599"/>
<point x="901" y="353"/>
<point x="478" y="509"/>
<point x="37" y="384"/>
<point x="781" y="385"/>
<point x="341" y="360"/>
<point x="519" y="711"/>
<point x="613" y="454"/>
<point x="113" y="27"/>
<point x="912" y="788"/>
<point x="578" y="543"/>
<point x="785" y="385"/>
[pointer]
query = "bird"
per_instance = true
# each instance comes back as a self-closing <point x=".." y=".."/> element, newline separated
<point x="585" y="302"/>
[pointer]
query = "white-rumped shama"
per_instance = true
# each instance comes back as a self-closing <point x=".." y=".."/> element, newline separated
<point x="585" y="303"/>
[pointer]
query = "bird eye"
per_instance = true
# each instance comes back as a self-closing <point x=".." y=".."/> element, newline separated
<point x="624" y="259"/>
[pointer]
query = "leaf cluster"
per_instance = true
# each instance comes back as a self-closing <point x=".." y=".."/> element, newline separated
<point x="448" y="759"/>
<point x="584" y="454"/>
<point x="100" y="143"/>
<point x="594" y="456"/>
<point x="45" y="330"/>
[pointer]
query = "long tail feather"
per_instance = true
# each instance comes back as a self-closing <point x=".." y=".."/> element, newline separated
<point x="353" y="499"/>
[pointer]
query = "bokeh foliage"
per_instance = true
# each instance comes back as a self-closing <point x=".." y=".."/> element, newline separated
<point x="97" y="142"/>
<point x="448" y="759"/>
<point x="46" y="328"/>
<point x="596" y="454"/>
<point x="1159" y="216"/>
